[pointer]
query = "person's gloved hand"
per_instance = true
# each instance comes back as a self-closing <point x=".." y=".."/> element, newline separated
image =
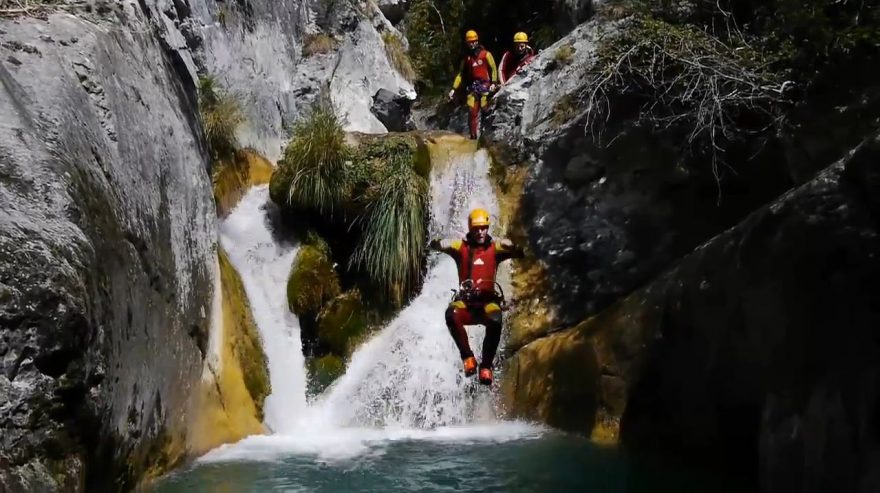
<point x="435" y="244"/>
<point x="451" y="94"/>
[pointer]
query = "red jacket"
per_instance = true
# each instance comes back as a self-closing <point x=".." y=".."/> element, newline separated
<point x="511" y="63"/>
<point x="480" y="66"/>
<point x="478" y="263"/>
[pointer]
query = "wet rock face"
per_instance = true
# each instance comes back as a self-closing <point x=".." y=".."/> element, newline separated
<point x="767" y="353"/>
<point x="607" y="218"/>
<point x="757" y="352"/>
<point x="106" y="237"/>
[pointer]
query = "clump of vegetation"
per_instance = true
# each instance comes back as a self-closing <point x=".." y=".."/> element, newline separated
<point x="398" y="56"/>
<point x="392" y="247"/>
<point x="376" y="192"/>
<point x="315" y="162"/>
<point x="319" y="43"/>
<point x="564" y="55"/>
<point x="313" y="280"/>
<point x="684" y="80"/>
<point x="221" y="115"/>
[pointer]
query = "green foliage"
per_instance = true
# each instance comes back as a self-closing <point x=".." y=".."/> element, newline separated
<point x="376" y="192"/>
<point x="221" y="115"/>
<point x="392" y="247"/>
<point x="313" y="279"/>
<point x="398" y="56"/>
<point x="315" y="162"/>
<point x="342" y="323"/>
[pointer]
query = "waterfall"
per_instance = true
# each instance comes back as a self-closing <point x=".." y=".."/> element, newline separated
<point x="264" y="265"/>
<point x="407" y="380"/>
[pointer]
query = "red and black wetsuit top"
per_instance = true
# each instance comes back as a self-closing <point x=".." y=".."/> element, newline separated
<point x="479" y="263"/>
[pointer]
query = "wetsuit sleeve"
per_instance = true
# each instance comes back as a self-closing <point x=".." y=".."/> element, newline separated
<point x="506" y="249"/>
<point x="447" y="246"/>
<point x="503" y="67"/>
<point x="457" y="81"/>
<point x="493" y="69"/>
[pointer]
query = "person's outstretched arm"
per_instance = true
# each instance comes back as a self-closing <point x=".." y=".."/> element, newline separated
<point x="507" y="249"/>
<point x="446" y="245"/>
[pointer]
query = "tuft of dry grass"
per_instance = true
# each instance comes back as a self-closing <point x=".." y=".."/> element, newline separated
<point x="398" y="55"/>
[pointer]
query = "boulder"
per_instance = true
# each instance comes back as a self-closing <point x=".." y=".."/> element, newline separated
<point x="757" y="352"/>
<point x="393" y="111"/>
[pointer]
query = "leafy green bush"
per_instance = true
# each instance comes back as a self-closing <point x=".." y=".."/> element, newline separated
<point x="380" y="187"/>
<point x="392" y="246"/>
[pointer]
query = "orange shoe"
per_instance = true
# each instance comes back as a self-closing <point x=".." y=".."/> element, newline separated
<point x="486" y="376"/>
<point x="470" y="366"/>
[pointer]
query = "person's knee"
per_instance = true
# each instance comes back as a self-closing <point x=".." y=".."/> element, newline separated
<point x="493" y="313"/>
<point x="451" y="312"/>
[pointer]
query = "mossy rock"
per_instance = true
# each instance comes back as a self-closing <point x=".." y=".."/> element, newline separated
<point x="313" y="279"/>
<point x="243" y="336"/>
<point x="279" y="185"/>
<point x="323" y="371"/>
<point x="342" y="323"/>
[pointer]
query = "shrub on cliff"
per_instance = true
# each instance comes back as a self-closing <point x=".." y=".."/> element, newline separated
<point x="371" y="197"/>
<point x="221" y="115"/>
<point x="314" y="162"/>
<point x="682" y="80"/>
<point x="398" y="55"/>
<point x="394" y="226"/>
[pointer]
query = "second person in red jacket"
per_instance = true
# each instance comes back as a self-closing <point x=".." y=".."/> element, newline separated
<point x="479" y="72"/>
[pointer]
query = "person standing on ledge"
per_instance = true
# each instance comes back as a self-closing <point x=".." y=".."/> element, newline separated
<point x="478" y="67"/>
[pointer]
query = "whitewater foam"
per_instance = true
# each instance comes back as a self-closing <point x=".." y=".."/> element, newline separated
<point x="264" y="266"/>
<point x="405" y="383"/>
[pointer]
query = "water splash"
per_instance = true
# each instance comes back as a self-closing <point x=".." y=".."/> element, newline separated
<point x="404" y="383"/>
<point x="409" y="375"/>
<point x="264" y="265"/>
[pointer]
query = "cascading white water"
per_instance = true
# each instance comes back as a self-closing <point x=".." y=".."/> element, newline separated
<point x="264" y="265"/>
<point x="406" y="382"/>
<point x="409" y="375"/>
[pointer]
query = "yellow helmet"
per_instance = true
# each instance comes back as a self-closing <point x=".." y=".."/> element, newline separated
<point x="471" y="36"/>
<point x="520" y="37"/>
<point x="478" y="218"/>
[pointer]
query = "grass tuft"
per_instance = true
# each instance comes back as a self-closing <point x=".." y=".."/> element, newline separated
<point x="392" y="247"/>
<point x="398" y="56"/>
<point x="315" y="162"/>
<point x="221" y="115"/>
